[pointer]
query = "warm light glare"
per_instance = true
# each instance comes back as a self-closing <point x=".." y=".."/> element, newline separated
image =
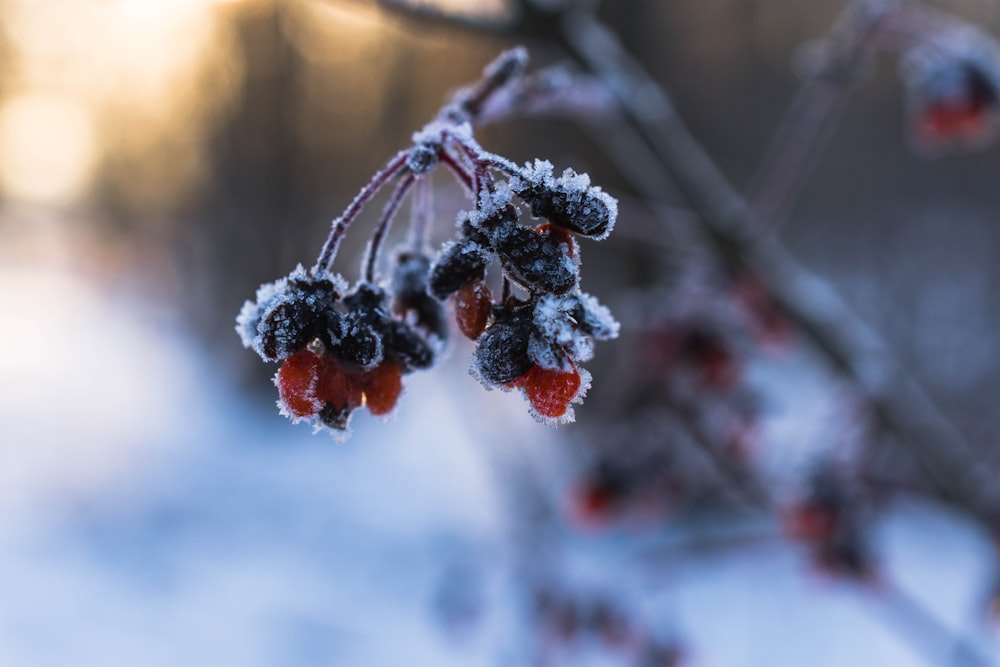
<point x="47" y="147"/>
<point x="142" y="82"/>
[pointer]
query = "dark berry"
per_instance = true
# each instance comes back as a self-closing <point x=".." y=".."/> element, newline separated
<point x="502" y="354"/>
<point x="585" y="213"/>
<point x="460" y="264"/>
<point x="538" y="262"/>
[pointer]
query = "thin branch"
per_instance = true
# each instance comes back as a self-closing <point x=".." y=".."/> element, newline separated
<point x="384" y="222"/>
<point x="897" y="401"/>
<point x="340" y="225"/>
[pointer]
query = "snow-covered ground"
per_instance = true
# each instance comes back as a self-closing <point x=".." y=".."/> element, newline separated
<point x="150" y="516"/>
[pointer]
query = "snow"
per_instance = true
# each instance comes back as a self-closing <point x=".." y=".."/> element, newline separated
<point x="165" y="519"/>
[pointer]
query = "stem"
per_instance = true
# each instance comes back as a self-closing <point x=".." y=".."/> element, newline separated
<point x="422" y="216"/>
<point x="811" y="118"/>
<point x="384" y="222"/>
<point x="340" y="225"/>
<point x="924" y="630"/>
<point x="460" y="171"/>
<point x="898" y="402"/>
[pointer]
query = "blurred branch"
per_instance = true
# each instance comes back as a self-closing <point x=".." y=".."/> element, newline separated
<point x="897" y="402"/>
<point x="812" y="116"/>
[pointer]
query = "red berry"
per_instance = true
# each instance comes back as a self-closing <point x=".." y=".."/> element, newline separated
<point x="382" y="387"/>
<point x="473" y="307"/>
<point x="811" y="524"/>
<point x="954" y="119"/>
<point x="550" y="390"/>
<point x="339" y="387"/>
<point x="297" y="381"/>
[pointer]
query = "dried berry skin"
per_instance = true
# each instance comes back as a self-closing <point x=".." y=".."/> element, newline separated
<point x="473" y="308"/>
<point x="502" y="354"/>
<point x="459" y="264"/>
<point x="297" y="381"/>
<point x="537" y="262"/>
<point x="585" y="213"/>
<point x="382" y="387"/>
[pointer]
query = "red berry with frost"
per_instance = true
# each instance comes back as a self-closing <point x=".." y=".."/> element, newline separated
<point x="382" y="387"/>
<point x="298" y="384"/>
<point x="341" y="391"/>
<point x="473" y="307"/>
<point x="551" y="391"/>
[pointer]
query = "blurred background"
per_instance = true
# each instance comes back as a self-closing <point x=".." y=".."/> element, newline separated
<point x="159" y="159"/>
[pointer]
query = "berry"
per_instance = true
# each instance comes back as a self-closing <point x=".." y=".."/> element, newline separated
<point x="473" y="307"/>
<point x="502" y="354"/>
<point x="538" y="262"/>
<point x="459" y="264"/>
<point x="551" y="391"/>
<point x="382" y="387"/>
<point x="297" y="381"/>
<point x="340" y="390"/>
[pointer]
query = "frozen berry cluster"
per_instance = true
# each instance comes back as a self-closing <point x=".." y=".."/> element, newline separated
<point x="342" y="348"/>
<point x="535" y="342"/>
<point x="953" y="86"/>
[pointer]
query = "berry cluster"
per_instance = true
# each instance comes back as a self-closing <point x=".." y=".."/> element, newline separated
<point x="342" y="348"/>
<point x="953" y="84"/>
<point x="535" y="343"/>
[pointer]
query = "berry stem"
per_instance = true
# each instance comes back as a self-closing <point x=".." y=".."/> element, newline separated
<point x="422" y="215"/>
<point x="385" y="221"/>
<point x="459" y="170"/>
<point x="340" y="225"/>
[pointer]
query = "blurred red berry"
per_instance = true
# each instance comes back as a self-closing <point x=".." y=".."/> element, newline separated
<point x="382" y="387"/>
<point x="473" y="307"/>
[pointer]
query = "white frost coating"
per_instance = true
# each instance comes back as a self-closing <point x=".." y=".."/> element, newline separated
<point x="536" y="175"/>
<point x="554" y="319"/>
<point x="598" y="318"/>
<point x="490" y="203"/>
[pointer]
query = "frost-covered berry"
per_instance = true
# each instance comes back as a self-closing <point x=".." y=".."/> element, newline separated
<point x="502" y="353"/>
<point x="423" y="158"/>
<point x="536" y="261"/>
<point x="568" y="200"/>
<point x="953" y="86"/>
<point x="297" y="381"/>
<point x="359" y="344"/>
<point x="551" y="391"/>
<point x="460" y="264"/>
<point x="399" y="340"/>
<point x="473" y="308"/>
<point x="291" y="312"/>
